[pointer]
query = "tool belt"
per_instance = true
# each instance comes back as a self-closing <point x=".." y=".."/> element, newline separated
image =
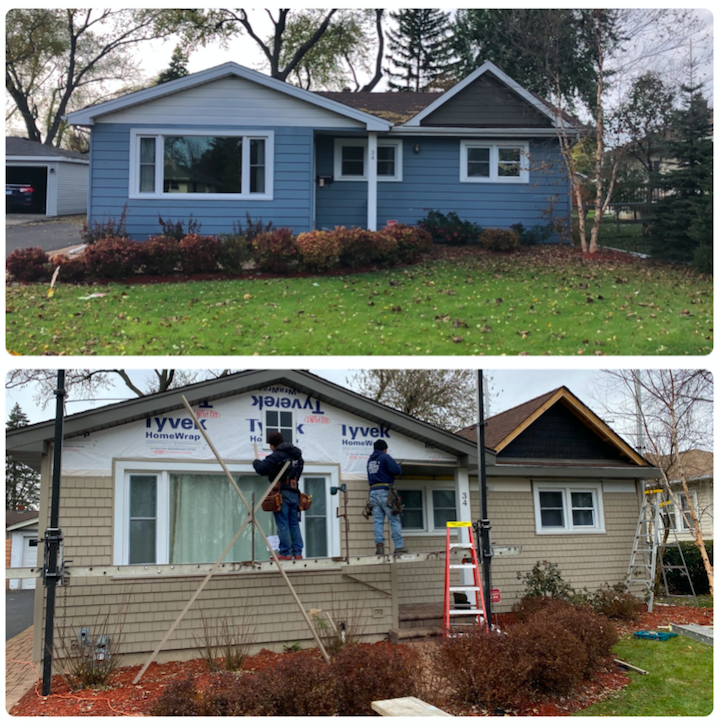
<point x="394" y="501"/>
<point x="272" y="501"/>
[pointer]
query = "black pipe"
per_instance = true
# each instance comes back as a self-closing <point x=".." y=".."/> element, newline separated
<point x="53" y="537"/>
<point x="482" y="526"/>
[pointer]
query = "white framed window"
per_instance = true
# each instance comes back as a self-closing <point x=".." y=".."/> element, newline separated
<point x="499" y="162"/>
<point x="678" y="511"/>
<point x="427" y="509"/>
<point x="565" y="508"/>
<point x="201" y="164"/>
<point x="350" y="159"/>
<point x="184" y="512"/>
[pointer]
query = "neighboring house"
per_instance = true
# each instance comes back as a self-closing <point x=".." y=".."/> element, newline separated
<point x="229" y="141"/>
<point x="58" y="177"/>
<point x="140" y="486"/>
<point x="697" y="465"/>
<point x="21" y="545"/>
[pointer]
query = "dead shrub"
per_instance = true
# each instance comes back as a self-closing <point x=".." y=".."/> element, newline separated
<point x="485" y="669"/>
<point x="338" y="628"/>
<point x="527" y="606"/>
<point x="363" y="673"/>
<point x="615" y="602"/>
<point x="225" y="642"/>
<point x="180" y="698"/>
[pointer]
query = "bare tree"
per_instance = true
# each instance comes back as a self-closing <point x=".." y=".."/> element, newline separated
<point x="671" y="411"/>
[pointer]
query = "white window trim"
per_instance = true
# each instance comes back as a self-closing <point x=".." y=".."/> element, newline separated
<point x="494" y="147"/>
<point x="567" y="489"/>
<point x="381" y="143"/>
<point x="162" y="469"/>
<point x="427" y="506"/>
<point x="680" y="526"/>
<point x="134" y="160"/>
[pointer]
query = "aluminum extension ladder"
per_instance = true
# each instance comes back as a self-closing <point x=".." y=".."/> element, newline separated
<point x="648" y="547"/>
<point x="472" y="564"/>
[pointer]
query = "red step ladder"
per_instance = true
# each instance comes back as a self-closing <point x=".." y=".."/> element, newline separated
<point x="479" y="611"/>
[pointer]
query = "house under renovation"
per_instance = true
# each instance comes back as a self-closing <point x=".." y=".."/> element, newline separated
<point x="145" y="507"/>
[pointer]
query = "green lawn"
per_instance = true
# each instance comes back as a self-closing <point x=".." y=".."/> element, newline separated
<point x="680" y="682"/>
<point x="542" y="301"/>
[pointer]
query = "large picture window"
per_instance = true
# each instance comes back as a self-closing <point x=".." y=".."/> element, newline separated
<point x="201" y="166"/>
<point x="568" y="508"/>
<point x="350" y="160"/>
<point x="501" y="162"/>
<point x="168" y="513"/>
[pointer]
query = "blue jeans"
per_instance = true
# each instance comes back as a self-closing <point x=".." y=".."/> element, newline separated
<point x="287" y="524"/>
<point x="378" y="499"/>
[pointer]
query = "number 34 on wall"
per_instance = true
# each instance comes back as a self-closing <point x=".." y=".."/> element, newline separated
<point x="465" y="499"/>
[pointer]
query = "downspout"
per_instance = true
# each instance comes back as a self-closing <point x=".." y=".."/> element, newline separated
<point x="482" y="526"/>
<point x="372" y="181"/>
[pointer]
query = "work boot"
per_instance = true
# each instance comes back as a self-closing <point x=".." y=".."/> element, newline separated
<point x="380" y="548"/>
<point x="397" y="551"/>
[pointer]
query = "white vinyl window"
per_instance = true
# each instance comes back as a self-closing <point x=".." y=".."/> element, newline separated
<point x="678" y="511"/>
<point x="280" y="421"/>
<point x="350" y="159"/>
<point x="195" y="164"/>
<point x="568" y="508"/>
<point x="179" y="513"/>
<point x="498" y="162"/>
<point x="427" y="509"/>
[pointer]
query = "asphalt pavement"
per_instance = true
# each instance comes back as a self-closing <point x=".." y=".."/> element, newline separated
<point x="19" y="607"/>
<point x="48" y="233"/>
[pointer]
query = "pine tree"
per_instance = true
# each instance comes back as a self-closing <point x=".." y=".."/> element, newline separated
<point x="421" y="52"/>
<point x="682" y="219"/>
<point x="22" y="484"/>
<point x="177" y="68"/>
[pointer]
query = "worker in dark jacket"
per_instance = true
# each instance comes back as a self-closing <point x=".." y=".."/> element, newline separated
<point x="291" y="543"/>
<point x="381" y="471"/>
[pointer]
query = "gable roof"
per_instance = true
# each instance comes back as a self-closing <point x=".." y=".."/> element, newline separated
<point x="697" y="464"/>
<point x="394" y="106"/>
<point x="15" y="518"/>
<point x="491" y="68"/>
<point x="505" y="427"/>
<point x="16" y="146"/>
<point x="88" y="116"/>
<point x="28" y="444"/>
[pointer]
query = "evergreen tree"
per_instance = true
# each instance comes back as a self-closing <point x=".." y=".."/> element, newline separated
<point x="177" y="68"/>
<point x="682" y="220"/>
<point x="421" y="51"/>
<point x="22" y="484"/>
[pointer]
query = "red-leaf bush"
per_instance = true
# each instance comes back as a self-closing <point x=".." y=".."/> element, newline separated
<point x="488" y="669"/>
<point x="364" y="247"/>
<point x="275" y="251"/>
<point x="364" y="673"/>
<point x="161" y="255"/>
<point x="615" y="602"/>
<point x="72" y="269"/>
<point x="28" y="264"/>
<point x="230" y="694"/>
<point x="113" y="257"/>
<point x="234" y="251"/>
<point x="180" y="698"/>
<point x="412" y="242"/>
<point x="527" y="606"/>
<point x="199" y="253"/>
<point x="498" y="240"/>
<point x="319" y="250"/>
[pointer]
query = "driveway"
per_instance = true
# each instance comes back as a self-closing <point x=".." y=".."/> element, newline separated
<point x="48" y="233"/>
<point x="19" y="607"/>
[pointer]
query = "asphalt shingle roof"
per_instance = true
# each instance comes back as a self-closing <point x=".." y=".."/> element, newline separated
<point x="17" y="146"/>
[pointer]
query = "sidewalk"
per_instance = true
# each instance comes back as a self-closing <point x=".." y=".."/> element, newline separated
<point x="19" y="672"/>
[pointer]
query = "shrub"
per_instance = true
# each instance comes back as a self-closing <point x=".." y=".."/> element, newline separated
<point x="114" y="257"/>
<point x="233" y="695"/>
<point x="275" y="251"/>
<point x="28" y="265"/>
<point x="234" y="251"/>
<point x="160" y="255"/>
<point x="356" y="246"/>
<point x="225" y="641"/>
<point x="319" y="250"/>
<point x="498" y="240"/>
<point x="527" y="606"/>
<point x="615" y="602"/>
<point x="411" y="241"/>
<point x="533" y="235"/>
<point x="382" y="248"/>
<point x="178" y="230"/>
<point x="677" y="581"/>
<point x="486" y="669"/>
<point x="367" y="672"/>
<point x="180" y="698"/>
<point x="554" y="658"/>
<point x="252" y="229"/>
<point x="91" y="233"/>
<point x="546" y="580"/>
<point x="449" y="229"/>
<point x="72" y="269"/>
<point x="199" y="254"/>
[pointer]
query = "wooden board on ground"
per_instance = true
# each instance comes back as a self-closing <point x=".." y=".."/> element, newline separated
<point x="407" y="707"/>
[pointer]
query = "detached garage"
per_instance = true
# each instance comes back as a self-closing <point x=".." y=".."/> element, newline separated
<point x="44" y="180"/>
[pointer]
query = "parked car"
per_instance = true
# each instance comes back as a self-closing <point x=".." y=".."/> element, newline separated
<point x="19" y="196"/>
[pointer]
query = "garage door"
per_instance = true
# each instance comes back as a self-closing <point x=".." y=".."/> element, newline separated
<point x="30" y="559"/>
<point x="37" y="178"/>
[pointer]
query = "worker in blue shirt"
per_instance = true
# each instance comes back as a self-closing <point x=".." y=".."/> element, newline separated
<point x="381" y="471"/>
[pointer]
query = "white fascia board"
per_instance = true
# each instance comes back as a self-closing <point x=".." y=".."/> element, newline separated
<point x="87" y="117"/>
<point x="486" y="67"/>
<point x="33" y="523"/>
<point x="43" y="160"/>
<point x="470" y="132"/>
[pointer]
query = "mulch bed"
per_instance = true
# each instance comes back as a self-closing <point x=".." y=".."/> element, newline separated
<point x="122" y="698"/>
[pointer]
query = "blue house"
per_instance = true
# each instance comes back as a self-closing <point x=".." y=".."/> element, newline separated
<point x="229" y="141"/>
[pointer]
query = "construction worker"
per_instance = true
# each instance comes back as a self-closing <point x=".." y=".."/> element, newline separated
<point x="291" y="544"/>
<point x="381" y="471"/>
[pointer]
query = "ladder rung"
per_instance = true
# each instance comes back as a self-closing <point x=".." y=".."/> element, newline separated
<point x="466" y="612"/>
<point x="458" y="589"/>
<point x="463" y="565"/>
<point x="467" y="546"/>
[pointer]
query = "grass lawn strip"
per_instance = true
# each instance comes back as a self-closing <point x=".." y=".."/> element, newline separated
<point x="531" y="303"/>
